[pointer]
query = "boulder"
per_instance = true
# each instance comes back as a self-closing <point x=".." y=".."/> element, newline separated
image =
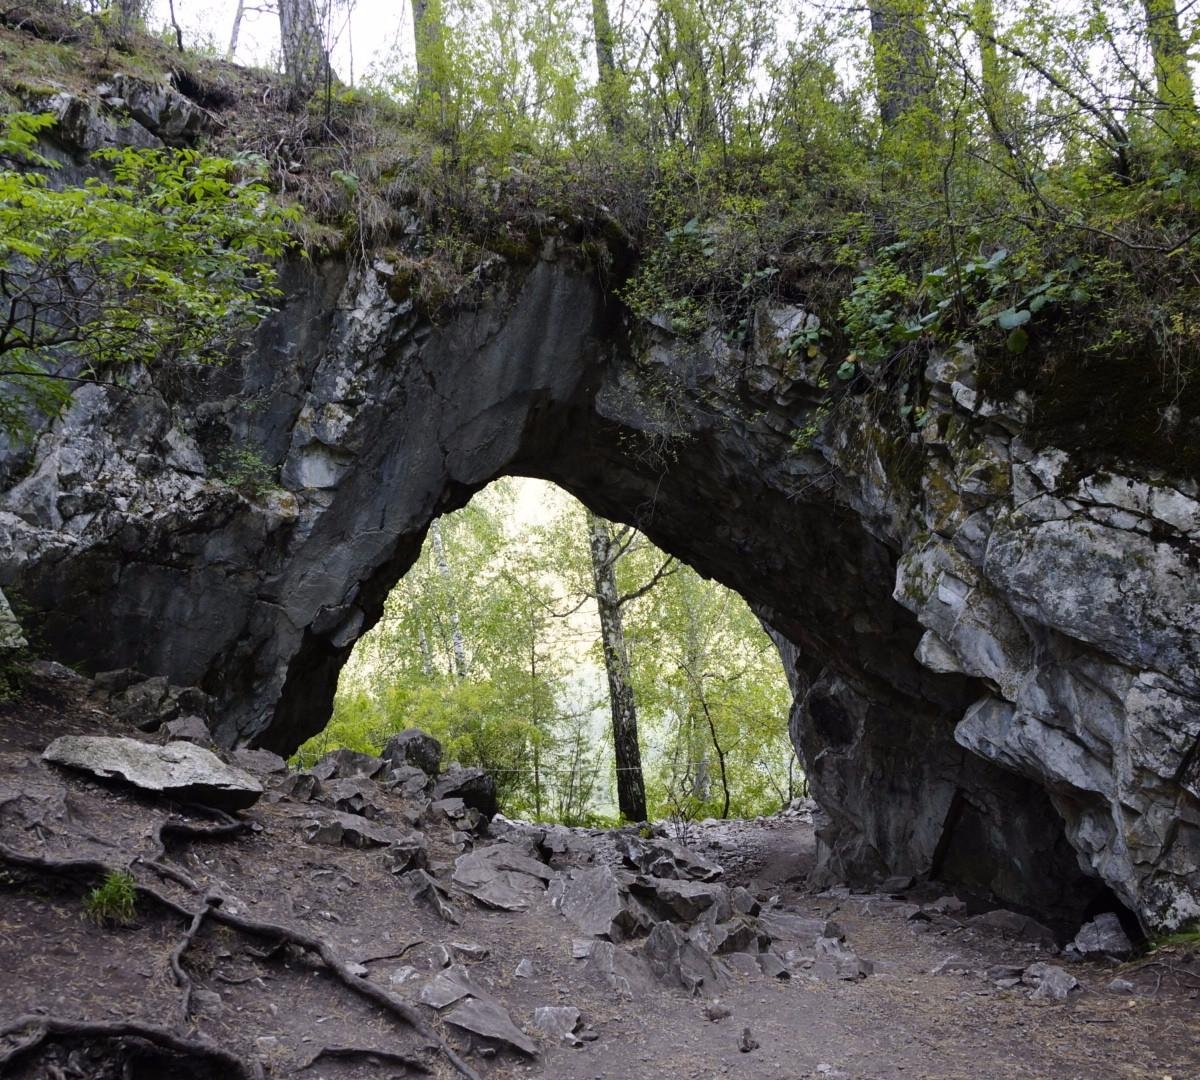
<point x="259" y="762"/>
<point x="774" y="966"/>
<point x="299" y="786"/>
<point x="1103" y="936"/>
<point x="734" y="936"/>
<point x="408" y="853"/>
<point x="787" y="926"/>
<point x="476" y="789"/>
<point x="501" y="876"/>
<point x="415" y="748"/>
<point x="476" y="867"/>
<point x="465" y="818"/>
<point x="179" y="770"/>
<point x="617" y="970"/>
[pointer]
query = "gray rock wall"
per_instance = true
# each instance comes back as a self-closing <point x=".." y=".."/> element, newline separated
<point x="994" y="650"/>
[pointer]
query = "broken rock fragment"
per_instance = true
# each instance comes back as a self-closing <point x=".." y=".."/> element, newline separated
<point x="352" y="795"/>
<point x="423" y="888"/>
<point x="683" y="899"/>
<point x="558" y="1022"/>
<point x="1013" y="926"/>
<point x="665" y="859"/>
<point x="476" y="789"/>
<point x="501" y="876"/>
<point x="352" y="830"/>
<point x="834" y="960"/>
<point x="600" y="904"/>
<point x="676" y="961"/>
<point x="1050" y="982"/>
<point x="449" y="986"/>
<point x="179" y="770"/>
<point x="487" y="1019"/>
<point x="346" y="764"/>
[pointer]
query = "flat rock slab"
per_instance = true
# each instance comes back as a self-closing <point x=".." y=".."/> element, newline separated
<point x="501" y="876"/>
<point x="488" y="1019"/>
<point x="179" y="770"/>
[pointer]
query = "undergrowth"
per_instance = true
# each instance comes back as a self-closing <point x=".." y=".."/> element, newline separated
<point x="113" y="901"/>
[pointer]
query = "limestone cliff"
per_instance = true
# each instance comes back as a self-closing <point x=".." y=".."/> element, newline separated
<point x="994" y="647"/>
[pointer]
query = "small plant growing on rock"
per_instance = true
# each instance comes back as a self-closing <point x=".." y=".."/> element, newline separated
<point x="244" y="470"/>
<point x="112" y="901"/>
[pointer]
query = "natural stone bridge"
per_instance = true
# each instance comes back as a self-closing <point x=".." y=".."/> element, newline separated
<point x="994" y="651"/>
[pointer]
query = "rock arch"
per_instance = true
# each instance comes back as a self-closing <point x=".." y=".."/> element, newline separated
<point x="996" y="678"/>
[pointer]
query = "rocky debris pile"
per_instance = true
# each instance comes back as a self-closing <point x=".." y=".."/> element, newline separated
<point x="180" y="770"/>
<point x="648" y="907"/>
<point x="150" y="703"/>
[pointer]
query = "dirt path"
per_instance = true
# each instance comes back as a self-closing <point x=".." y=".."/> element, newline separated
<point x="280" y="1007"/>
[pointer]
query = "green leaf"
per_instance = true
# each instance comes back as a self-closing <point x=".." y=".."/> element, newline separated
<point x="847" y="370"/>
<point x="1012" y="318"/>
<point x="1018" y="341"/>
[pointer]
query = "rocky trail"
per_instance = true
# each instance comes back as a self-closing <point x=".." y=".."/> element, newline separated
<point x="372" y="918"/>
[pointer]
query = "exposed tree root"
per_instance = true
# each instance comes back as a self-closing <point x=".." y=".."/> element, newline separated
<point x="182" y="978"/>
<point x="275" y="931"/>
<point x="407" y="1060"/>
<point x="177" y="827"/>
<point x="42" y="1027"/>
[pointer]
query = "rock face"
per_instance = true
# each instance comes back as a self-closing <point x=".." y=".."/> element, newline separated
<point x="11" y="637"/>
<point x="993" y="643"/>
<point x="179" y="770"/>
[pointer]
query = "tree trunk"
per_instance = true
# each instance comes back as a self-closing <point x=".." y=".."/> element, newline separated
<point x="1171" y="72"/>
<point x="427" y="43"/>
<point x="993" y="78"/>
<point x="606" y="67"/>
<point x="302" y="46"/>
<point x="902" y="57"/>
<point x="457" y="641"/>
<point x="236" y="32"/>
<point x="631" y="788"/>
<point x="130" y="15"/>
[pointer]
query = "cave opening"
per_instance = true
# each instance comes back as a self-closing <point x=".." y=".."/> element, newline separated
<point x="494" y="641"/>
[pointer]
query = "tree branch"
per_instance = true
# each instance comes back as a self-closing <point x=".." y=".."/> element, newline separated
<point x="659" y="574"/>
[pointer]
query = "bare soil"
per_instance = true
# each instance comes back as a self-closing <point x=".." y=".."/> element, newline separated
<point x="279" y="1007"/>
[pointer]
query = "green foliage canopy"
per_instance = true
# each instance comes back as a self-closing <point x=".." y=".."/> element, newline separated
<point x="169" y="254"/>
